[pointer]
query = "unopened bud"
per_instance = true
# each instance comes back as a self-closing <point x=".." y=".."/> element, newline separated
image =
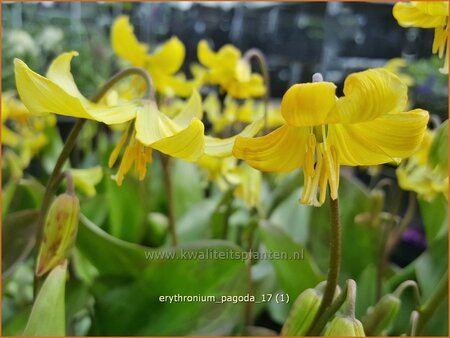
<point x="302" y="313"/>
<point x="344" y="326"/>
<point x="60" y="231"/>
<point x="380" y="318"/>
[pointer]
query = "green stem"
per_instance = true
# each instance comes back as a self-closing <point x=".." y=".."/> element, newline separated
<point x="256" y="54"/>
<point x="70" y="144"/>
<point x="166" y="163"/>
<point x="428" y="309"/>
<point x="414" y="319"/>
<point x="350" y="301"/>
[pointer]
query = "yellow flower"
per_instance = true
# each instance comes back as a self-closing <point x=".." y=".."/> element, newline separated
<point x="232" y="73"/>
<point x="86" y="179"/>
<point x="233" y="112"/>
<point x="181" y="137"/>
<point x="396" y="66"/>
<point x="22" y="132"/>
<point x="57" y="93"/>
<point x="364" y="127"/>
<point x="226" y="173"/>
<point x="162" y="65"/>
<point x="415" y="173"/>
<point x="426" y="14"/>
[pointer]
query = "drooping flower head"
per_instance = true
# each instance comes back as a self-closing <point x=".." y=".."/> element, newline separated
<point x="230" y="71"/>
<point x="367" y="126"/>
<point x="420" y="173"/>
<point x="426" y="14"/>
<point x="180" y="137"/>
<point x="163" y="64"/>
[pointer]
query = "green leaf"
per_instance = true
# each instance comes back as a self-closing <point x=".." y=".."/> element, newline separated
<point x="47" y="316"/>
<point x="148" y="315"/>
<point x="360" y="242"/>
<point x="435" y="217"/>
<point x="366" y="290"/>
<point x="293" y="217"/>
<point x="7" y="196"/>
<point x="438" y="155"/>
<point x="130" y="276"/>
<point x="432" y="265"/>
<point x="294" y="275"/>
<point x="109" y="254"/>
<point x="187" y="186"/>
<point x="126" y="206"/>
<point x="18" y="237"/>
<point x="196" y="223"/>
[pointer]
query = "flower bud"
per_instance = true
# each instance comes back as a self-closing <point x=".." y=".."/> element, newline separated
<point x="380" y="318"/>
<point x="344" y="326"/>
<point x="302" y="313"/>
<point x="60" y="231"/>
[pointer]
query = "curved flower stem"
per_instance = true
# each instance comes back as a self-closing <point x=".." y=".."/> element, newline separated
<point x="54" y="178"/>
<point x="166" y="163"/>
<point x="256" y="54"/>
<point x="428" y="309"/>
<point x="335" y="259"/>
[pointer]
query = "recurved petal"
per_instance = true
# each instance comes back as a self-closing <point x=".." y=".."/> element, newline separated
<point x="385" y="139"/>
<point x="308" y="104"/>
<point x="41" y="95"/>
<point x="187" y="144"/>
<point x="59" y="73"/>
<point x="282" y="150"/>
<point x="205" y="55"/>
<point x="151" y="125"/>
<point x="368" y="95"/>
<point x="223" y="147"/>
<point x="421" y="14"/>
<point x="193" y="108"/>
<point x="168" y="57"/>
<point x="125" y="43"/>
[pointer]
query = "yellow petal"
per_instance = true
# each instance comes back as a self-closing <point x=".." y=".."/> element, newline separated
<point x="86" y="179"/>
<point x="280" y="151"/>
<point x="223" y="147"/>
<point x="125" y="44"/>
<point x="212" y="108"/>
<point x="226" y="57"/>
<point x="385" y="139"/>
<point x="308" y="104"/>
<point x="151" y="125"/>
<point x="369" y="94"/>
<point x="421" y="14"/>
<point x="42" y="95"/>
<point x="168" y="57"/>
<point x="188" y="144"/>
<point x="59" y="73"/>
<point x="192" y="109"/>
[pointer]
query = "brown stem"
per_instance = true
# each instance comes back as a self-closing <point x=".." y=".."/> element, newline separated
<point x="335" y="259"/>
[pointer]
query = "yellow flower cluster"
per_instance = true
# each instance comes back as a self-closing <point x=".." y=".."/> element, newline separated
<point x="23" y="134"/>
<point x="427" y="14"/>
<point x="318" y="132"/>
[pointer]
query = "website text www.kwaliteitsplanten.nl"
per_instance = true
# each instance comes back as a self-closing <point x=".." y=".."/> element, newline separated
<point x="214" y="254"/>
